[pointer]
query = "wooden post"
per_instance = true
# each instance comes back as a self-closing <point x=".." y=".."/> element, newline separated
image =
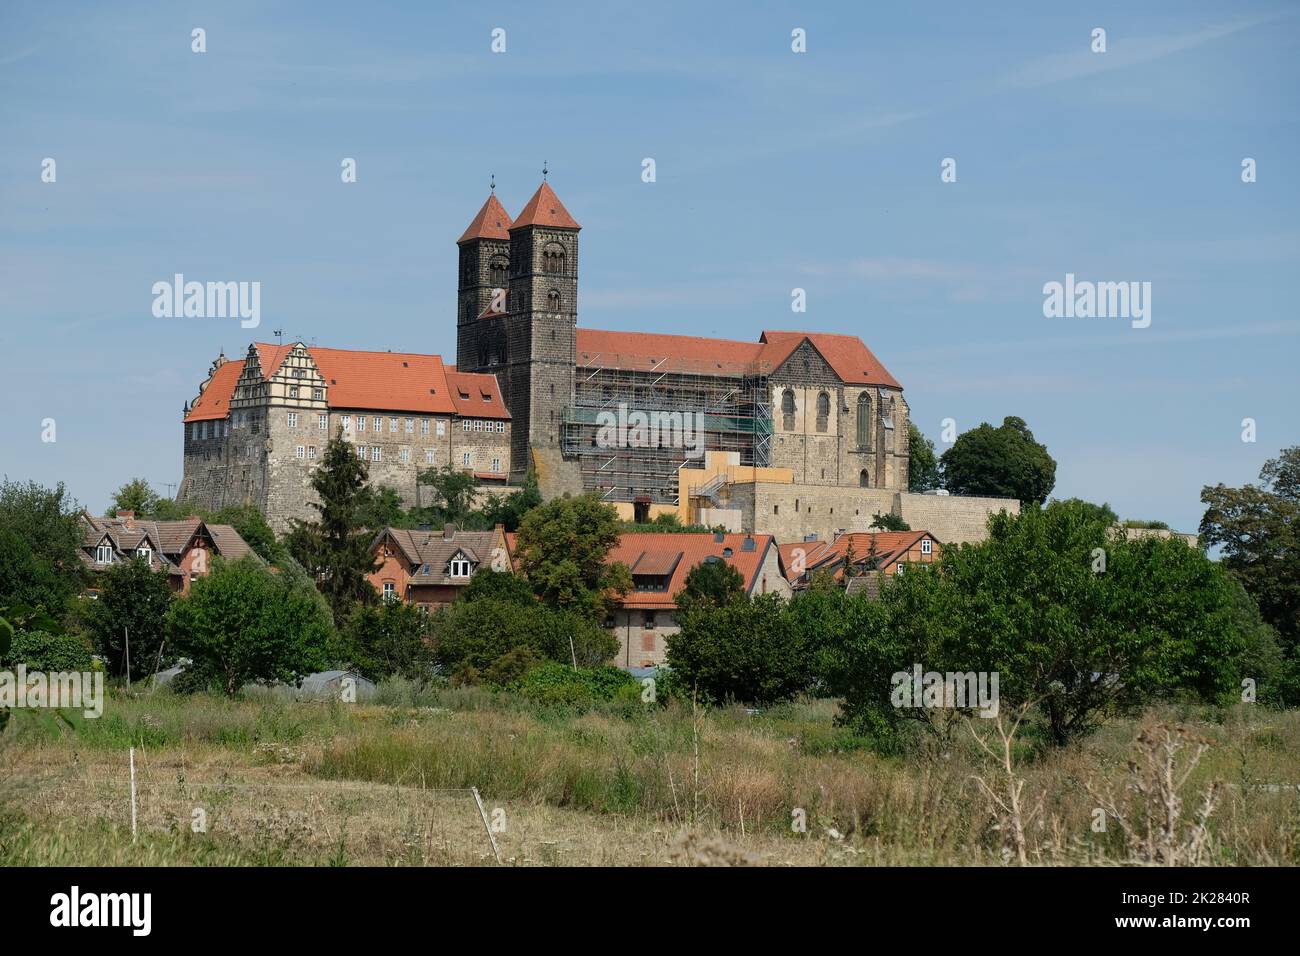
<point x="133" y="825"/>
<point x="486" y="826"/>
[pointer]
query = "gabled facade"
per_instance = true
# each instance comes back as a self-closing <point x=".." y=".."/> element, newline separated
<point x="182" y="549"/>
<point x="430" y="568"/>
<point x="871" y="554"/>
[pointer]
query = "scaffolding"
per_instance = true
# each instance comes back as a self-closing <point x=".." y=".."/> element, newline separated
<point x="722" y="406"/>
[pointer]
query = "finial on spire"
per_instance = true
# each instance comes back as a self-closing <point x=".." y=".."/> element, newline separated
<point x="493" y="184"/>
<point x="544" y="170"/>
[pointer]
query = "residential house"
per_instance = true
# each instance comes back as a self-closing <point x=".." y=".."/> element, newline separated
<point x="873" y="554"/>
<point x="183" y="549"/>
<point x="430" y="568"/>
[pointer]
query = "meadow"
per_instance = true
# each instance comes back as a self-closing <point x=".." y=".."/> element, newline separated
<point x="263" y="780"/>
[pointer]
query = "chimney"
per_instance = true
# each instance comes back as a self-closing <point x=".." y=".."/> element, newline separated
<point x="127" y="518"/>
<point x="448" y="532"/>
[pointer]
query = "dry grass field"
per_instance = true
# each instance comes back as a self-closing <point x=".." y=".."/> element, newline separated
<point x="276" y="782"/>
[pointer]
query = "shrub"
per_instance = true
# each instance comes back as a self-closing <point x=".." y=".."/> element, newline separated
<point x="554" y="683"/>
<point x="52" y="653"/>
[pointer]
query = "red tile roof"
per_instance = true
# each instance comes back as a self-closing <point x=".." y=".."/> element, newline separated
<point x="890" y="546"/>
<point x="492" y="222"/>
<point x="380" y="381"/>
<point x="852" y="361"/>
<point x="214" y="402"/>
<point x="545" y="209"/>
<point x="483" y="396"/>
<point x="678" y="552"/>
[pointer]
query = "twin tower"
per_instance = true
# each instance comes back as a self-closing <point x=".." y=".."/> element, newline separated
<point x="517" y="314"/>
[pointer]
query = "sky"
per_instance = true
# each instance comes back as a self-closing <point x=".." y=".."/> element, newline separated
<point x="774" y="171"/>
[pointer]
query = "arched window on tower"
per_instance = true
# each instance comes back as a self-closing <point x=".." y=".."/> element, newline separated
<point x="787" y="410"/>
<point x="823" y="410"/>
<point x="553" y="300"/>
<point x="553" y="258"/>
<point x="498" y="270"/>
<point x="864" y="420"/>
<point x="864" y="480"/>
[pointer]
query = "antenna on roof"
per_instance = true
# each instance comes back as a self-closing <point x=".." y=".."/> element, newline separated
<point x="544" y="170"/>
<point x="279" y="336"/>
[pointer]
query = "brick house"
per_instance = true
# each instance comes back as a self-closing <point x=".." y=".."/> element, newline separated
<point x="430" y="568"/>
<point x="646" y="616"/>
<point x="183" y="549"/>
<point x="874" y="554"/>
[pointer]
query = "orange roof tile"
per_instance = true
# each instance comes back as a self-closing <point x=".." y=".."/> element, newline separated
<point x="851" y="360"/>
<point x="397" y="381"/>
<point x="482" y="396"/>
<point x="679" y="552"/>
<point x="545" y="209"/>
<point x="492" y="222"/>
<point x="214" y="402"/>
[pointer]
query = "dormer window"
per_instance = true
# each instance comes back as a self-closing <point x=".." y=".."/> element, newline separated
<point x="104" y="554"/>
<point x="460" y="568"/>
<point x="144" y="551"/>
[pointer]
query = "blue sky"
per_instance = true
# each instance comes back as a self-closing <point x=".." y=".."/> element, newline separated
<point x="775" y="170"/>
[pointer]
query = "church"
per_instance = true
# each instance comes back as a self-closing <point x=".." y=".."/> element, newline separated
<point x="529" y="390"/>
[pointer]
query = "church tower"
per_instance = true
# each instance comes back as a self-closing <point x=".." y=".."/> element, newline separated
<point x="484" y="269"/>
<point x="541" y="328"/>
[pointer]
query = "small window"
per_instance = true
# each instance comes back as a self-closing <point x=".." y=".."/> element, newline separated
<point x="496" y="464"/>
<point x="104" y="554"/>
<point x="465" y="425"/>
<point x="318" y="394"/>
<point x="460" y="568"/>
<point x="390" y="591"/>
<point x="347" y="422"/>
<point x="501" y="427"/>
<point x="648" y="621"/>
<point x="322" y="422"/>
<point x="898" y="571"/>
<point x="311" y="452"/>
<point x="428" y="456"/>
<point x="293" y="391"/>
<point x="424" y="426"/>
<point x="410" y="426"/>
<point x="361" y="423"/>
<point x="405" y="455"/>
<point x="375" y="453"/>
<point x="926" y="546"/>
<point x="464" y="459"/>
<point x="300" y="452"/>
<point x="144" y="551"/>
<point x="478" y="424"/>
<point x="442" y="429"/>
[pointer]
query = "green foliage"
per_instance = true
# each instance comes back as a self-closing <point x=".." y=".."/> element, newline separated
<point x="40" y="542"/>
<point x="1002" y="462"/>
<point x="476" y="633"/>
<point x="745" y="650"/>
<point x="453" y="494"/>
<point x="336" y="549"/>
<point x="1258" y="529"/>
<point x="502" y="585"/>
<point x="382" y="508"/>
<point x="555" y="683"/>
<point x="512" y="666"/>
<point x="51" y="653"/>
<point x="711" y="583"/>
<point x="133" y="603"/>
<point x="889" y="522"/>
<point x="389" y="639"/>
<point x="509" y="510"/>
<point x="244" y="622"/>
<point x="922" y="465"/>
<point x="562" y="546"/>
<point x="136" y="496"/>
<point x="1144" y="524"/>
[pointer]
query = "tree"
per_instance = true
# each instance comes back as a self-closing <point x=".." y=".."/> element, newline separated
<point x="51" y="653"/>
<point x="712" y="583"/>
<point x="40" y="546"/>
<point x="509" y="511"/>
<point x="388" y="639"/>
<point x="889" y="522"/>
<point x="562" y="549"/>
<point x="745" y="650"/>
<point x="135" y="496"/>
<point x="132" y="606"/>
<point x="336" y="549"/>
<point x="1258" y="529"/>
<point x="453" y="493"/>
<point x="244" y="622"/>
<point x="382" y="508"/>
<point x="475" y="634"/>
<point x="1002" y="462"/>
<point x="922" y="466"/>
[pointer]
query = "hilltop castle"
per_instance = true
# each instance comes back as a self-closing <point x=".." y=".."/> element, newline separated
<point x="793" y="410"/>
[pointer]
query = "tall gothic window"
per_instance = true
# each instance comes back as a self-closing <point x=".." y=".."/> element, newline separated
<point x="553" y="258"/>
<point x="823" y="411"/>
<point x="787" y="409"/>
<point x="863" y="480"/>
<point x="497" y="270"/>
<point x="864" y="420"/>
<point x="553" y="300"/>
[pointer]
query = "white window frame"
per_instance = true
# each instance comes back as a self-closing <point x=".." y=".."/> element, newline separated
<point x="405" y="455"/>
<point x="927" y="547"/>
<point x="460" y="568"/>
<point x="428" y="456"/>
<point x="466" y="461"/>
<point x="311" y="452"/>
<point x="442" y="429"/>
<point x="410" y="426"/>
<point x="300" y="451"/>
<point x="424" y="426"/>
<point x="322" y="422"/>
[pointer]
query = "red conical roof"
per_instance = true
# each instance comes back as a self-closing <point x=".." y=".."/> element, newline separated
<point x="545" y="209"/>
<point x="492" y="222"/>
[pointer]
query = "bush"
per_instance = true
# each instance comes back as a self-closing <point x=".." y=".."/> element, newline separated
<point x="554" y="683"/>
<point x="477" y="633"/>
<point x="51" y="653"/>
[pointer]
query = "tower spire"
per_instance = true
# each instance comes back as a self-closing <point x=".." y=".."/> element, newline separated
<point x="493" y="184"/>
<point x="544" y="170"/>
